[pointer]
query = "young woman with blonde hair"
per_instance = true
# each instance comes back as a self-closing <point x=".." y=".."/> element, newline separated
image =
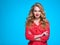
<point x="37" y="26"/>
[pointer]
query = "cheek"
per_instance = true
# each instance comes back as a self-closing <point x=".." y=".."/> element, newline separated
<point x="34" y="13"/>
<point x="39" y="12"/>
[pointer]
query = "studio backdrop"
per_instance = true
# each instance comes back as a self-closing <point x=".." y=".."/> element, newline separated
<point x="13" y="14"/>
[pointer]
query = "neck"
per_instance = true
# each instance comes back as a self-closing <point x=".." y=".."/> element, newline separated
<point x="37" y="19"/>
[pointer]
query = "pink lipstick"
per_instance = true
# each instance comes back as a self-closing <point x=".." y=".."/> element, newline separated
<point x="36" y="14"/>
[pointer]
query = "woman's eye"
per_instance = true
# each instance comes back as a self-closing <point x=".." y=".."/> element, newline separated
<point x="35" y="11"/>
<point x="39" y="11"/>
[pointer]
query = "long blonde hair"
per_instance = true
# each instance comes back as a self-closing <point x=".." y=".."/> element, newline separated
<point x="31" y="17"/>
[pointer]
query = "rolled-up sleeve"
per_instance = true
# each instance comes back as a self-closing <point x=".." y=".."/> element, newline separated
<point x="45" y="38"/>
<point x="28" y="34"/>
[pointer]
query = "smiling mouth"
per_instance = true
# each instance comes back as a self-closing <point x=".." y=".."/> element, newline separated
<point x="37" y="15"/>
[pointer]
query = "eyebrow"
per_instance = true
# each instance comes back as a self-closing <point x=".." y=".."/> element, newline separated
<point x="36" y="10"/>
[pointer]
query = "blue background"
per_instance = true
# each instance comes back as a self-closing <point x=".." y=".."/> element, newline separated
<point x="13" y="14"/>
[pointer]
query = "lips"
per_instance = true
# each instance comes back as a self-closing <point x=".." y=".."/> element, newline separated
<point x="37" y="14"/>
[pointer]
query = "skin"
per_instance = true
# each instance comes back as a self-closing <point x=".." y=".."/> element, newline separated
<point x="37" y="14"/>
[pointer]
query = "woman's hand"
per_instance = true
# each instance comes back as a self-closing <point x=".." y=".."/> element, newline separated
<point x="45" y="33"/>
<point x="38" y="39"/>
<point x="38" y="36"/>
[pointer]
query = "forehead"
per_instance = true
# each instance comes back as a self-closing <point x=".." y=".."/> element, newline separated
<point x="36" y="8"/>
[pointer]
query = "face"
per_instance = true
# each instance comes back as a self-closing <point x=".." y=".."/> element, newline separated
<point x="36" y="12"/>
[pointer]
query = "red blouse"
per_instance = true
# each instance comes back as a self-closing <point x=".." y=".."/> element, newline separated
<point x="35" y="30"/>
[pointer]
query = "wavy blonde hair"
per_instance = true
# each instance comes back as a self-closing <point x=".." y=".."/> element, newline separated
<point x="31" y="17"/>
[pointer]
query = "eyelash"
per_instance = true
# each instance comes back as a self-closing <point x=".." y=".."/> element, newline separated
<point x="36" y="11"/>
<point x="39" y="11"/>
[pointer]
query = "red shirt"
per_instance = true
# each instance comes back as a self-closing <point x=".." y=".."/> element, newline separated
<point x="35" y="30"/>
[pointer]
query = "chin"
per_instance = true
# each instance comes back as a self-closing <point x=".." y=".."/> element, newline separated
<point x="36" y="17"/>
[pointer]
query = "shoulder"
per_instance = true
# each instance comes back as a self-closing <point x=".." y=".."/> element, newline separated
<point x="28" y="27"/>
<point x="47" y="22"/>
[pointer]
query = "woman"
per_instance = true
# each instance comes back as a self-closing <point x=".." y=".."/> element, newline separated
<point x="37" y="26"/>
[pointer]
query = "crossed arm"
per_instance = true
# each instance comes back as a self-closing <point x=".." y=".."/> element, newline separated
<point x="40" y="37"/>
